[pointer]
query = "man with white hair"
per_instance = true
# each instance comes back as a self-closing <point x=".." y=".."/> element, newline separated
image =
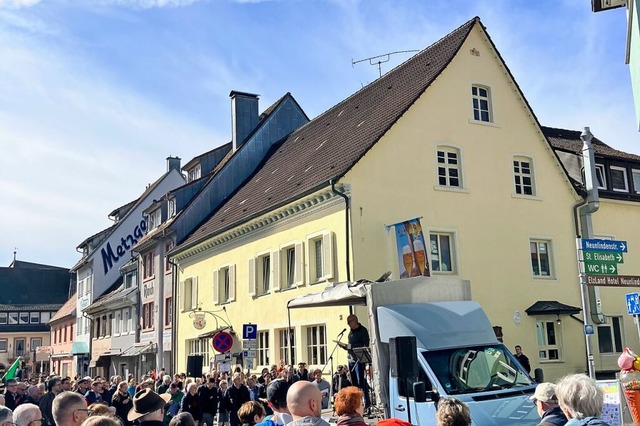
<point x="546" y="403"/>
<point x="581" y="400"/>
<point x="27" y="415"/>
<point x="70" y="409"/>
<point x="164" y="386"/>
<point x="6" y="416"/>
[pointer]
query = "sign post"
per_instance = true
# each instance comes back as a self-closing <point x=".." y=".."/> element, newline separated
<point x="633" y="308"/>
<point x="249" y="344"/>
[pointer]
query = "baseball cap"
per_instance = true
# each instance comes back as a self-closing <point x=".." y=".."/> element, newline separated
<point x="277" y="393"/>
<point x="545" y="392"/>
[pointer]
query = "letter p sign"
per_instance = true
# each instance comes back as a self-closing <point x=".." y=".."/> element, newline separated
<point x="249" y="331"/>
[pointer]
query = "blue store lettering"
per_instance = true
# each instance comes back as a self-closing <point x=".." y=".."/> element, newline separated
<point x="109" y="258"/>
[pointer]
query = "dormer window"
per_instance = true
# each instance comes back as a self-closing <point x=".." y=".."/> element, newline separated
<point x="619" y="179"/>
<point x="172" y="207"/>
<point x="194" y="173"/>
<point x="601" y="176"/>
<point x="155" y="218"/>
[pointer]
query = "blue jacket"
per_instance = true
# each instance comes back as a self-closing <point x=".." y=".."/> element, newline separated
<point x="591" y="421"/>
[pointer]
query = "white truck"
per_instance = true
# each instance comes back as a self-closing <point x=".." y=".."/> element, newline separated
<point x="457" y="350"/>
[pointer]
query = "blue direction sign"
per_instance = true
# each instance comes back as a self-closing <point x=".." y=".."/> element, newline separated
<point x="249" y="331"/>
<point x="633" y="303"/>
<point x="604" y="245"/>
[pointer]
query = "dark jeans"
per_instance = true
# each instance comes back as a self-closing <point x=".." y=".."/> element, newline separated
<point x="359" y="379"/>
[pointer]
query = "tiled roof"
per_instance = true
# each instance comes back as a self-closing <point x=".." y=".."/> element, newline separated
<point x="551" y="307"/>
<point x="68" y="309"/>
<point x="569" y="140"/>
<point x="31" y="265"/>
<point x="331" y="144"/>
<point x="31" y="307"/>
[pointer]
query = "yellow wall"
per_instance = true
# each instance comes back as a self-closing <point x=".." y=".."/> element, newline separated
<point x="268" y="311"/>
<point x="397" y="181"/>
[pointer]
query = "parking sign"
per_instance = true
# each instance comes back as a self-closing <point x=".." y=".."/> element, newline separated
<point x="249" y="331"/>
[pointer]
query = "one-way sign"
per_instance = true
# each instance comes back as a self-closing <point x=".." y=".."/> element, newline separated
<point x="633" y="303"/>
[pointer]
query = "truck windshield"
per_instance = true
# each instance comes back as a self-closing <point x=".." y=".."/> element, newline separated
<point x="476" y="369"/>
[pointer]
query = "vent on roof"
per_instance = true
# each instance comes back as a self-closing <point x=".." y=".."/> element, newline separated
<point x="273" y="172"/>
<point x="288" y="180"/>
<point x="258" y="179"/>
<point x="340" y="113"/>
<point x="320" y="146"/>
<point x="308" y="168"/>
<point x="242" y="202"/>
<point x="361" y="123"/>
<point x="267" y="190"/>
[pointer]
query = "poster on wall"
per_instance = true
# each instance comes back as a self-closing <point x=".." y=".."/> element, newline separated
<point x="612" y="408"/>
<point x="412" y="255"/>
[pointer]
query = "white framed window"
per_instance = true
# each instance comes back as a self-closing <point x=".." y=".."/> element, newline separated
<point x="263" y="347"/>
<point x="261" y="274"/>
<point x="190" y="294"/>
<point x="45" y="317"/>
<point x="541" y="258"/>
<point x="79" y="292"/>
<point x="441" y="252"/>
<point x="13" y="318"/>
<point x="87" y="325"/>
<point x="168" y="311"/>
<point x="126" y="320"/>
<point x="117" y="323"/>
<point x="549" y="340"/>
<point x="619" y="179"/>
<point x="316" y="344"/>
<point x="610" y="336"/>
<point x="3" y="345"/>
<point x="224" y="284"/>
<point x="36" y="342"/>
<point x="155" y="219"/>
<point x="167" y="248"/>
<point x="601" y="176"/>
<point x="4" y="317"/>
<point x="19" y="348"/>
<point x="287" y="345"/>
<point x="78" y="326"/>
<point x="291" y="265"/>
<point x="194" y="173"/>
<point x="199" y="347"/>
<point x="172" y="207"/>
<point x="34" y="318"/>
<point x="320" y="257"/>
<point x="523" y="176"/>
<point x="148" y="270"/>
<point x="481" y="100"/>
<point x="147" y="316"/>
<point x="24" y="318"/>
<point x="449" y="167"/>
<point x="635" y="174"/>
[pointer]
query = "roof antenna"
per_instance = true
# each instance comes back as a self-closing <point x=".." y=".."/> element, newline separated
<point x="387" y="56"/>
<point x="15" y="252"/>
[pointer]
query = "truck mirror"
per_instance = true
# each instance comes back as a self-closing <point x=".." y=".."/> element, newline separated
<point x="419" y="392"/>
<point x="538" y="375"/>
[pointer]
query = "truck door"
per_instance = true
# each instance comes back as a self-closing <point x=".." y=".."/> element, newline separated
<point x="422" y="413"/>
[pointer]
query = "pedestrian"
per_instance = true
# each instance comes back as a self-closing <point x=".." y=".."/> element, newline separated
<point x="304" y="401"/>
<point x="101" y="421"/>
<point x="164" y="385"/>
<point x="148" y="408"/>
<point x="277" y="402"/>
<point x="452" y="412"/>
<point x="132" y="387"/>
<point x="546" y="403"/>
<point x="182" y="419"/>
<point x="6" y="416"/>
<point x="302" y="373"/>
<point x="223" y="413"/>
<point x="349" y="408"/>
<point x="175" y="397"/>
<point x="94" y="394"/>
<point x="122" y="402"/>
<point x="324" y="387"/>
<point x="26" y="414"/>
<point x="208" y="399"/>
<point x="251" y="413"/>
<point x="340" y="379"/>
<point x="522" y="359"/>
<point x="70" y="409"/>
<point x="235" y="396"/>
<point x="190" y="402"/>
<point x="581" y="400"/>
<point x="46" y="401"/>
<point x="83" y="385"/>
<point x="11" y="394"/>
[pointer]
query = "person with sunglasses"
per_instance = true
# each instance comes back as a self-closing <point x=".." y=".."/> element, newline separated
<point x="547" y="405"/>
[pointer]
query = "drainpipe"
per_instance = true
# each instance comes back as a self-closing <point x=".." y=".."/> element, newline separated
<point x="346" y="224"/>
<point x="174" y="320"/>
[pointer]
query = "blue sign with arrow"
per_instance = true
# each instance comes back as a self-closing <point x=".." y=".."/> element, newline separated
<point x="633" y="303"/>
<point x="604" y="245"/>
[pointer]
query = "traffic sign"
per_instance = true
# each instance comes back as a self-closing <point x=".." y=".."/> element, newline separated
<point x="601" y="268"/>
<point x="598" y="256"/>
<point x="250" y="354"/>
<point x="248" y="363"/>
<point x="249" y="331"/>
<point x="613" y="280"/>
<point x="588" y="329"/>
<point x="223" y="357"/>
<point x="633" y="303"/>
<point x="604" y="245"/>
<point x="222" y="341"/>
<point x="249" y="344"/>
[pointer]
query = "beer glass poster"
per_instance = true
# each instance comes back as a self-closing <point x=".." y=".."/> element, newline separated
<point x="412" y="255"/>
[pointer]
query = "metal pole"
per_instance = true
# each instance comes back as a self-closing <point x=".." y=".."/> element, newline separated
<point x="585" y="306"/>
<point x="637" y="319"/>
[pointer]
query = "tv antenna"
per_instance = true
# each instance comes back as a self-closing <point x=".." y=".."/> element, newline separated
<point x="379" y="62"/>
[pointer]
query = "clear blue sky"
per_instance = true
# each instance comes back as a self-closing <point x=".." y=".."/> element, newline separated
<point x="95" y="94"/>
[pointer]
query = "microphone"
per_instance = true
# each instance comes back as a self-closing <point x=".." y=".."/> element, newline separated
<point x="342" y="332"/>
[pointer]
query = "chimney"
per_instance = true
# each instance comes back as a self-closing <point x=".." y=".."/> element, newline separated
<point x="244" y="116"/>
<point x="173" y="163"/>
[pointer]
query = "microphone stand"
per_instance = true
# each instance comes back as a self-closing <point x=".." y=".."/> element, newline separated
<point x="330" y="359"/>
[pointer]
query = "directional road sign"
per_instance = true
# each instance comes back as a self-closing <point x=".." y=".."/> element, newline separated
<point x="613" y="280"/>
<point x="249" y="331"/>
<point x="222" y="342"/>
<point x="604" y="245"/>
<point x="598" y="256"/>
<point x="633" y="303"/>
<point x="601" y="268"/>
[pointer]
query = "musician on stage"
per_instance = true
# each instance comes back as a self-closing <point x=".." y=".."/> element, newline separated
<point x="358" y="338"/>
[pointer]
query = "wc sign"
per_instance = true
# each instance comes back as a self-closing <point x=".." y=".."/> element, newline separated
<point x="249" y="331"/>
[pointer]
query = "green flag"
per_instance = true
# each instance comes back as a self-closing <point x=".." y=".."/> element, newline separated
<point x="11" y="372"/>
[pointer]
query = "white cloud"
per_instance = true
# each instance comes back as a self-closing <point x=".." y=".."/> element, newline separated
<point x="18" y="4"/>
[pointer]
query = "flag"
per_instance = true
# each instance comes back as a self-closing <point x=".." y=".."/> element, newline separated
<point x="11" y="372"/>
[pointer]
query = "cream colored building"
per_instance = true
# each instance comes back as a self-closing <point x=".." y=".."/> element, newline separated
<point x="447" y="137"/>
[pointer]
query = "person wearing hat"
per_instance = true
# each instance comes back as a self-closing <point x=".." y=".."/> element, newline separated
<point x="148" y="408"/>
<point x="83" y="385"/>
<point x="546" y="403"/>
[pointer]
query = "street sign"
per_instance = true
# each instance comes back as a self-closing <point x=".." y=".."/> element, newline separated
<point x="614" y="280"/>
<point x="633" y="303"/>
<point x="249" y="344"/>
<point x="588" y="329"/>
<point x="604" y="245"/>
<point x="248" y="363"/>
<point x="222" y="341"/>
<point x="250" y="354"/>
<point x="223" y="357"/>
<point x="601" y="268"/>
<point x="249" y="331"/>
<point x="597" y="256"/>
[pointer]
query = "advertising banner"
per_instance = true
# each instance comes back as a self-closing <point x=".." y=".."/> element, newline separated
<point x="412" y="255"/>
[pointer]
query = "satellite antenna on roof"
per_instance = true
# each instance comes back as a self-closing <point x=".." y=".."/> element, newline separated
<point x="379" y="62"/>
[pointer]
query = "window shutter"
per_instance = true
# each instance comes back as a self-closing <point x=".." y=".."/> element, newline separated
<point x="194" y="293"/>
<point x="275" y="270"/>
<point x="252" y="277"/>
<point x="216" y="288"/>
<point x="327" y="256"/>
<point x="232" y="283"/>
<point x="186" y="294"/>
<point x="298" y="279"/>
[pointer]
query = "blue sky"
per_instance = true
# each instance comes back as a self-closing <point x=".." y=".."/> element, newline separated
<point x="95" y="94"/>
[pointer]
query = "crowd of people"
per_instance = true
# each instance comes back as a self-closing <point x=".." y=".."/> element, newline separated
<point x="277" y="397"/>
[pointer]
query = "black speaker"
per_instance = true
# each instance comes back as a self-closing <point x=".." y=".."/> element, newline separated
<point x="194" y="365"/>
<point x="403" y="357"/>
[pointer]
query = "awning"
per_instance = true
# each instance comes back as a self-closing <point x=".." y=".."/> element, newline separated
<point x="551" y="307"/>
<point x="139" y="349"/>
<point x="61" y="355"/>
<point x="79" y="348"/>
<point x="102" y="358"/>
<point x="341" y="294"/>
<point x="216" y="331"/>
